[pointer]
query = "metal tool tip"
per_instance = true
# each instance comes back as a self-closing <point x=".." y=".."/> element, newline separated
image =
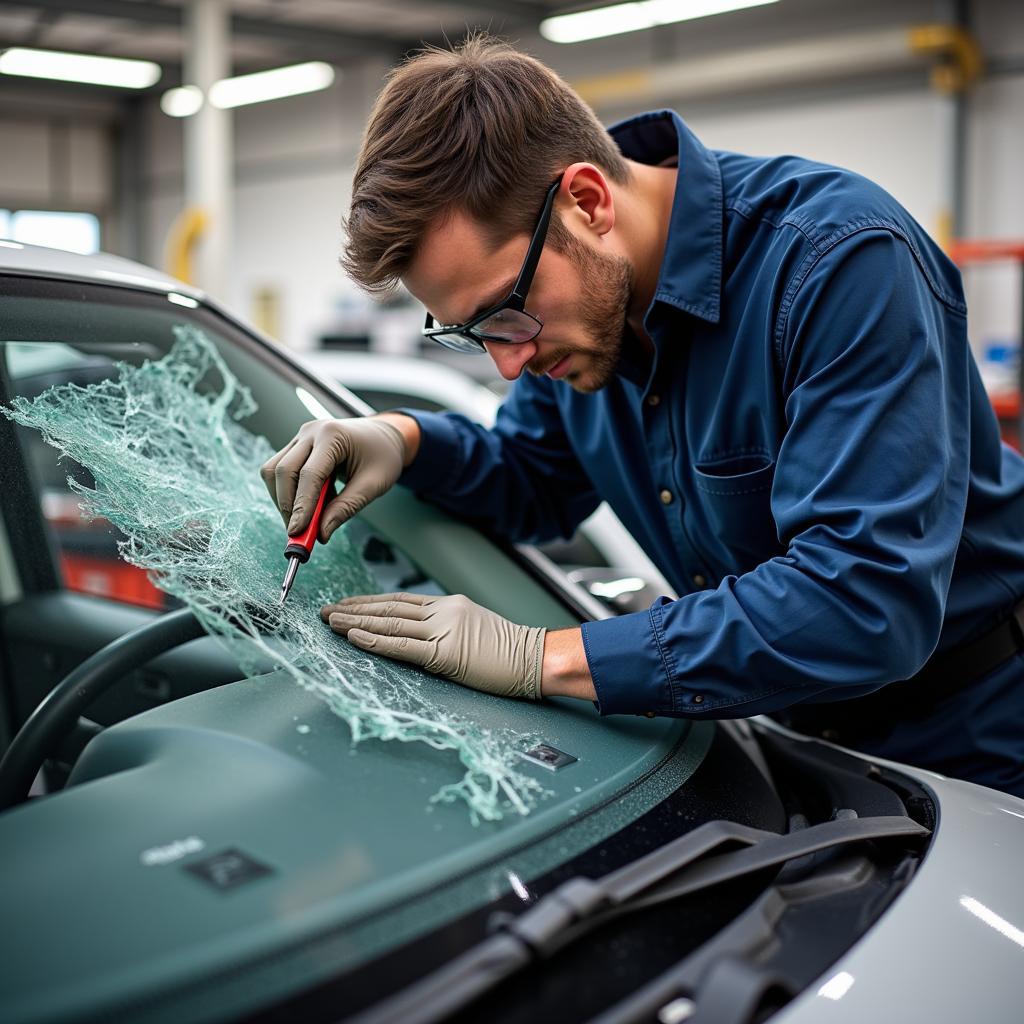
<point x="289" y="578"/>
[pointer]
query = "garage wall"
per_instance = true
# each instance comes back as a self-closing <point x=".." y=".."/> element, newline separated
<point x="293" y="161"/>
<point x="294" y="157"/>
<point x="905" y="155"/>
<point x="55" y="164"/>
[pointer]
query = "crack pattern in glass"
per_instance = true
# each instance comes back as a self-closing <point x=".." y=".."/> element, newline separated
<point x="179" y="475"/>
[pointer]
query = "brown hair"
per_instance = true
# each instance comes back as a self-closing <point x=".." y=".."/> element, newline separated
<point x="481" y="127"/>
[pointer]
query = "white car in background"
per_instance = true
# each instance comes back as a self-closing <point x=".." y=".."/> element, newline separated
<point x="603" y="556"/>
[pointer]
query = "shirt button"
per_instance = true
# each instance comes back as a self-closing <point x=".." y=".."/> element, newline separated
<point x="666" y="497"/>
<point x="653" y="400"/>
<point x="698" y="698"/>
<point x="699" y="581"/>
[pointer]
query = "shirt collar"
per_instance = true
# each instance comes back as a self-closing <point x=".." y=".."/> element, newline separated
<point x="691" y="272"/>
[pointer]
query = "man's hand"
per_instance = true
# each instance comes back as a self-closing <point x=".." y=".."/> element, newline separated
<point x="369" y="453"/>
<point x="450" y="636"/>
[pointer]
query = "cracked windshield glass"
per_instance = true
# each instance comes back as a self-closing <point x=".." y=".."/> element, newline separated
<point x="145" y="419"/>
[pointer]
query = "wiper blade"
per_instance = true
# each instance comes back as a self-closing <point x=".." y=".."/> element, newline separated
<point x="681" y="867"/>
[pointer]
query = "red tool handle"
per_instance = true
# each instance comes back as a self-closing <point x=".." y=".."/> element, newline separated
<point x="300" y="545"/>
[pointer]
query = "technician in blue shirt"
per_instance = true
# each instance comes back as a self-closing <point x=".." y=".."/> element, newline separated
<point x="762" y="365"/>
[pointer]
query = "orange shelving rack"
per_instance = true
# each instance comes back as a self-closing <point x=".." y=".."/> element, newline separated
<point x="964" y="252"/>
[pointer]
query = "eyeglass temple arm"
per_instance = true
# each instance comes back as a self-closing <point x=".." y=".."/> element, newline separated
<point x="525" y="278"/>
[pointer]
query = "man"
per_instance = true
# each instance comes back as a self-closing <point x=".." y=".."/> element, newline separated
<point x="761" y="364"/>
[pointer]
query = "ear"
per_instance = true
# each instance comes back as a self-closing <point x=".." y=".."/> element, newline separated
<point x="586" y="198"/>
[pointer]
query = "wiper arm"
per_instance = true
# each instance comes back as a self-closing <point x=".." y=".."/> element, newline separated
<point x="579" y="905"/>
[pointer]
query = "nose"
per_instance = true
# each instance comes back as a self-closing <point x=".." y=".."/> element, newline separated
<point x="510" y="359"/>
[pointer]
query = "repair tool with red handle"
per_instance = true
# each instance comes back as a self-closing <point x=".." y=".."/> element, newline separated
<point x="300" y="545"/>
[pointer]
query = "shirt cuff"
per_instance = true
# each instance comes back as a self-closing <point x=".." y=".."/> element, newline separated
<point x="439" y="458"/>
<point x="627" y="664"/>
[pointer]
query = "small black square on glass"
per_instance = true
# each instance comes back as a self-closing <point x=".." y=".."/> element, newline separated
<point x="228" y="869"/>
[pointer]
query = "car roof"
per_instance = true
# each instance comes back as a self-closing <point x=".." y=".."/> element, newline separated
<point x="100" y="268"/>
<point x="411" y="376"/>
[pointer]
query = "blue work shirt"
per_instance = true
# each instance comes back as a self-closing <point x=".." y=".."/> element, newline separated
<point x="809" y="457"/>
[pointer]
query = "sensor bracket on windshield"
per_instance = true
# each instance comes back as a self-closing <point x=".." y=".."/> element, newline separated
<point x="548" y="756"/>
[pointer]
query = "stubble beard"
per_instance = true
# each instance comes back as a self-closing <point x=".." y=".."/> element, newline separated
<point x="606" y="283"/>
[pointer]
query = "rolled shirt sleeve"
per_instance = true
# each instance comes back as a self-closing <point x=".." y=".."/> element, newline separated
<point x="868" y="498"/>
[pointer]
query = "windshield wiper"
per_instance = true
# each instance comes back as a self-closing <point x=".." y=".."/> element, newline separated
<point x="578" y="906"/>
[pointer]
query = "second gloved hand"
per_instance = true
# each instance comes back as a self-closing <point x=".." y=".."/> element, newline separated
<point x="450" y="636"/>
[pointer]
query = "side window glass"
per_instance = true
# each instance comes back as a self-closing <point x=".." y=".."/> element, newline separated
<point x="87" y="549"/>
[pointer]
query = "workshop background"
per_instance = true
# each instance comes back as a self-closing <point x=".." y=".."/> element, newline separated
<point x="924" y="97"/>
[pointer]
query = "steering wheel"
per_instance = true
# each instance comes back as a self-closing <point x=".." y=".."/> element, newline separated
<point x="40" y="736"/>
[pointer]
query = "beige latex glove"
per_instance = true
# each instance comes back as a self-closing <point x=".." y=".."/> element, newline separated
<point x="367" y="453"/>
<point x="450" y="636"/>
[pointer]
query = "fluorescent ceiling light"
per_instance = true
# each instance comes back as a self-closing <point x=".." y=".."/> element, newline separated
<point x="619" y="18"/>
<point x="80" y="67"/>
<point x="271" y="85"/>
<point x="184" y="101"/>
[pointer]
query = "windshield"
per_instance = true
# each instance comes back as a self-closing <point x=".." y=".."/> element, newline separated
<point x="92" y="346"/>
<point x="167" y="414"/>
<point x="73" y="339"/>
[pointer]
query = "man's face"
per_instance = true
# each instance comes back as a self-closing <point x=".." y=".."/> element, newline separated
<point x="581" y="297"/>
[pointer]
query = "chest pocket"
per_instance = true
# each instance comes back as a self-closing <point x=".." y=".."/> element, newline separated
<point x="735" y="492"/>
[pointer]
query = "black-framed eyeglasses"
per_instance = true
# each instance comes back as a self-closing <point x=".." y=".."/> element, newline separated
<point x="507" y="322"/>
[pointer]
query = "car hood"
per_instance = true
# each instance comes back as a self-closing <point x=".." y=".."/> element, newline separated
<point x="950" y="946"/>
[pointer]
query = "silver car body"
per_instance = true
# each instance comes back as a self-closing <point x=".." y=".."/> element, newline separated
<point x="951" y="946"/>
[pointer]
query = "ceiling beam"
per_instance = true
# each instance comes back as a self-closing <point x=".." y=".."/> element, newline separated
<point x="310" y="38"/>
<point x="156" y="14"/>
<point x="300" y="41"/>
<point x="523" y="12"/>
